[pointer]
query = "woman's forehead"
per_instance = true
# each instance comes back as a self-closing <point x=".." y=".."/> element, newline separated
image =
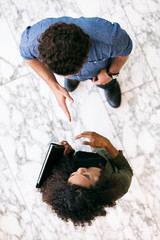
<point x="80" y="180"/>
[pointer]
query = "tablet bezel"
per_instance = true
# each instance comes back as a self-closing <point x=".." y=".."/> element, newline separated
<point x="49" y="161"/>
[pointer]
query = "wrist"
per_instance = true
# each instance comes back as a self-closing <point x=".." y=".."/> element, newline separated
<point x="52" y="82"/>
<point x="111" y="149"/>
<point x="113" y="75"/>
<point x="106" y="143"/>
<point x="106" y="76"/>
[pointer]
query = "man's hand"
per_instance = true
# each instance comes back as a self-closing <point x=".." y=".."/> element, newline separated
<point x="67" y="147"/>
<point x="102" y="78"/>
<point x="60" y="92"/>
<point x="61" y="95"/>
<point x="115" y="67"/>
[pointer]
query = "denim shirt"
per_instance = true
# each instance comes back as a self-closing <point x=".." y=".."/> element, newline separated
<point x="108" y="41"/>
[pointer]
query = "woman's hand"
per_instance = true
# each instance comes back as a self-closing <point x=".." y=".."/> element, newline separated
<point x="67" y="149"/>
<point x="98" y="141"/>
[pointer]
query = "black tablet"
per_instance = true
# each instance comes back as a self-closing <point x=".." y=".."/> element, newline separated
<point x="54" y="154"/>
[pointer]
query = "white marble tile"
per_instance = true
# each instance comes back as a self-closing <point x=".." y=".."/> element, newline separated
<point x="24" y="124"/>
<point x="3" y="162"/>
<point x="130" y="218"/>
<point x="158" y="83"/>
<point x="54" y="228"/>
<point x="22" y="14"/>
<point x="77" y="8"/>
<point x="15" y="221"/>
<point x="90" y="116"/>
<point x="138" y="117"/>
<point x="138" y="221"/>
<point x="138" y="124"/>
<point x="144" y="18"/>
<point x="31" y="118"/>
<point x="11" y="64"/>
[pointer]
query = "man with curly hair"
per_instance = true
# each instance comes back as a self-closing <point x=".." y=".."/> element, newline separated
<point x="79" y="49"/>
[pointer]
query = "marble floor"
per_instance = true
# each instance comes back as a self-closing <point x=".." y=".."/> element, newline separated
<point x="30" y="119"/>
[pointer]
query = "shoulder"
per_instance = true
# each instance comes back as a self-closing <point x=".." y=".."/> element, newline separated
<point x="94" y="20"/>
<point x="95" y="26"/>
<point x="32" y="32"/>
<point x="29" y="38"/>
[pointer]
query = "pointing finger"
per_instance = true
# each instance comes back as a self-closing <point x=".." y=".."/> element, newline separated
<point x="65" y="109"/>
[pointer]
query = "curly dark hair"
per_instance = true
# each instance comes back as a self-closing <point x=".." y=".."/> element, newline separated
<point x="76" y="203"/>
<point x="64" y="48"/>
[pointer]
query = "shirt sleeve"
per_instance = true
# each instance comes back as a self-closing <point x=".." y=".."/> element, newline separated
<point x="117" y="168"/>
<point x="123" y="172"/>
<point x="26" y="53"/>
<point x="114" y="40"/>
<point x="28" y="50"/>
<point x="121" y="42"/>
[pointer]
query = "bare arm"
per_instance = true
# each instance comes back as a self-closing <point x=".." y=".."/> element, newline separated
<point x="116" y="65"/>
<point x="98" y="141"/>
<point x="61" y="93"/>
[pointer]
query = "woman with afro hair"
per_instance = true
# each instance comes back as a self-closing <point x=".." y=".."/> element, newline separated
<point x="82" y="184"/>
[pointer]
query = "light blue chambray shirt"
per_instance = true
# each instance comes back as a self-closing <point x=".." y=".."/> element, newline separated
<point x="108" y="41"/>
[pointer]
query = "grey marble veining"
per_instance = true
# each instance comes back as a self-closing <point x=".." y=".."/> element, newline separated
<point x="3" y="162"/>
<point x="23" y="127"/>
<point x="30" y="135"/>
<point x="21" y="14"/>
<point x="83" y="116"/>
<point x="15" y="221"/>
<point x="11" y="64"/>
<point x="30" y="118"/>
<point x="144" y="17"/>
<point x="131" y="217"/>
<point x="140" y="137"/>
<point x="28" y="142"/>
